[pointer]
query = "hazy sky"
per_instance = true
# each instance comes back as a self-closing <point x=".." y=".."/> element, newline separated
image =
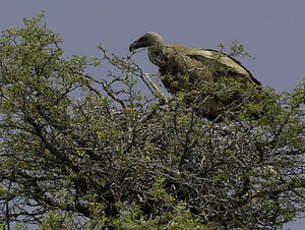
<point x="272" y="30"/>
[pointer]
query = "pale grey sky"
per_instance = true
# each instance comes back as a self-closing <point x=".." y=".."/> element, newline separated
<point x="272" y="30"/>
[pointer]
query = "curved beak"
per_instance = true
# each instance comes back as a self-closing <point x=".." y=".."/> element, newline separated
<point x="133" y="46"/>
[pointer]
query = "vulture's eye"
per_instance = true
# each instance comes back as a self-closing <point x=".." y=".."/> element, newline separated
<point x="142" y="39"/>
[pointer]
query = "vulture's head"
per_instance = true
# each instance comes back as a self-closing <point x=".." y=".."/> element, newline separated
<point x="146" y="40"/>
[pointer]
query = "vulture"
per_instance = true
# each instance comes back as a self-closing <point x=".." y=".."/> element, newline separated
<point x="182" y="69"/>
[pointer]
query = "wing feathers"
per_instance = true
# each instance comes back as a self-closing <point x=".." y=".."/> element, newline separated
<point x="211" y="57"/>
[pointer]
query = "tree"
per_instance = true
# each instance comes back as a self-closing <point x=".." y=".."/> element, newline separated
<point x="80" y="152"/>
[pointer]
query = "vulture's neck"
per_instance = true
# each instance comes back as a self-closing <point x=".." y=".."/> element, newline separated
<point x="156" y="55"/>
